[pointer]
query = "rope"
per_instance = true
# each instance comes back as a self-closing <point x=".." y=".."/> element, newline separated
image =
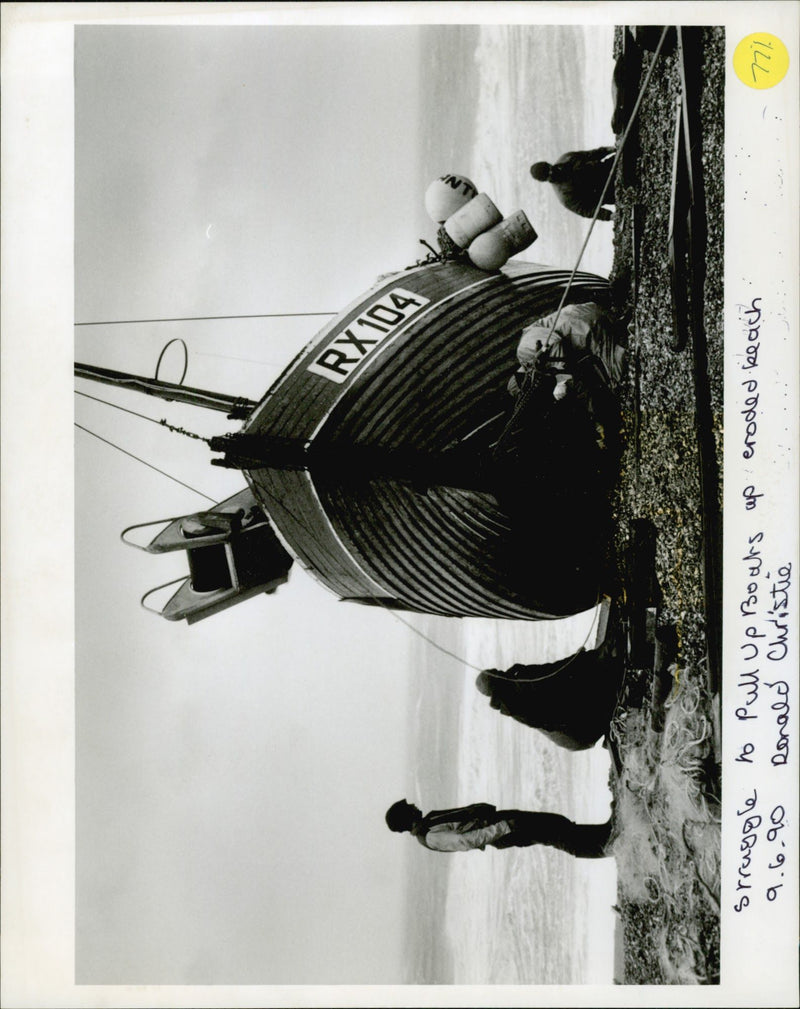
<point x="479" y="669"/>
<point x="524" y="396"/>
<point x="116" y="406"/>
<point x="162" y="423"/>
<point x="567" y="662"/>
<point x="144" y="463"/>
<point x="165" y="348"/>
<point x="205" y="318"/>
<point x="426" y="638"/>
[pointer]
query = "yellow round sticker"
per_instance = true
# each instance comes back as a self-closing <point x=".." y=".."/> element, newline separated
<point x="761" y="60"/>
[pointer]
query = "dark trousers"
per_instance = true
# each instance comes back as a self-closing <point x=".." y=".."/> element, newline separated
<point x="583" y="840"/>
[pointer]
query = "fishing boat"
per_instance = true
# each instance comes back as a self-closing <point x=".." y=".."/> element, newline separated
<point x="369" y="460"/>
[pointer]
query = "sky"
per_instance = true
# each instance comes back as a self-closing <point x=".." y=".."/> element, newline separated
<point x="232" y="777"/>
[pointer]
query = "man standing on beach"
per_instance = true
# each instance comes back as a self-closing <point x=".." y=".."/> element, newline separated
<point x="578" y="178"/>
<point x="468" y="828"/>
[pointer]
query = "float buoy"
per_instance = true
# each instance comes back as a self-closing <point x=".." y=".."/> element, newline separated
<point x="517" y="231"/>
<point x="489" y="251"/>
<point x="472" y="219"/>
<point x="493" y="248"/>
<point x="448" y="194"/>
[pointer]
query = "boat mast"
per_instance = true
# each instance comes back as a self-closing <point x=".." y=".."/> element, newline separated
<point x="237" y="408"/>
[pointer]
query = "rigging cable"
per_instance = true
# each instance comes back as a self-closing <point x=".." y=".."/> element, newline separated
<point x="165" y="348"/>
<point x="162" y="423"/>
<point x="150" y="465"/>
<point x="116" y="406"/>
<point x="206" y="318"/>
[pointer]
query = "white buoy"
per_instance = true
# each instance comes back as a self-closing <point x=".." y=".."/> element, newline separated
<point x="474" y="217"/>
<point x="447" y="195"/>
<point x="493" y="248"/>
<point x="517" y="231"/>
<point x="490" y="250"/>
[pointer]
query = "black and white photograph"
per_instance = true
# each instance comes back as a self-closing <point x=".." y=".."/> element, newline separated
<point x="407" y="582"/>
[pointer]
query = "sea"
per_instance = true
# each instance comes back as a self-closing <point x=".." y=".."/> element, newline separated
<point x="496" y="99"/>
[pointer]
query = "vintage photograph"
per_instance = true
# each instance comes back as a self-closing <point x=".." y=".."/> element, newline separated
<point x="400" y="504"/>
<point x="403" y="345"/>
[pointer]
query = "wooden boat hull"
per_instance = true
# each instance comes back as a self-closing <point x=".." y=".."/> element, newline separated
<point x="365" y="420"/>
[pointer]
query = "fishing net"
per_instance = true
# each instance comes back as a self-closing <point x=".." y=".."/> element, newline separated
<point x="667" y="834"/>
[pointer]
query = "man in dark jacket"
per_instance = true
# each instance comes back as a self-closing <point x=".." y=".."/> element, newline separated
<point x="573" y="708"/>
<point x="578" y="178"/>
<point x="571" y="701"/>
<point x="468" y="828"/>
